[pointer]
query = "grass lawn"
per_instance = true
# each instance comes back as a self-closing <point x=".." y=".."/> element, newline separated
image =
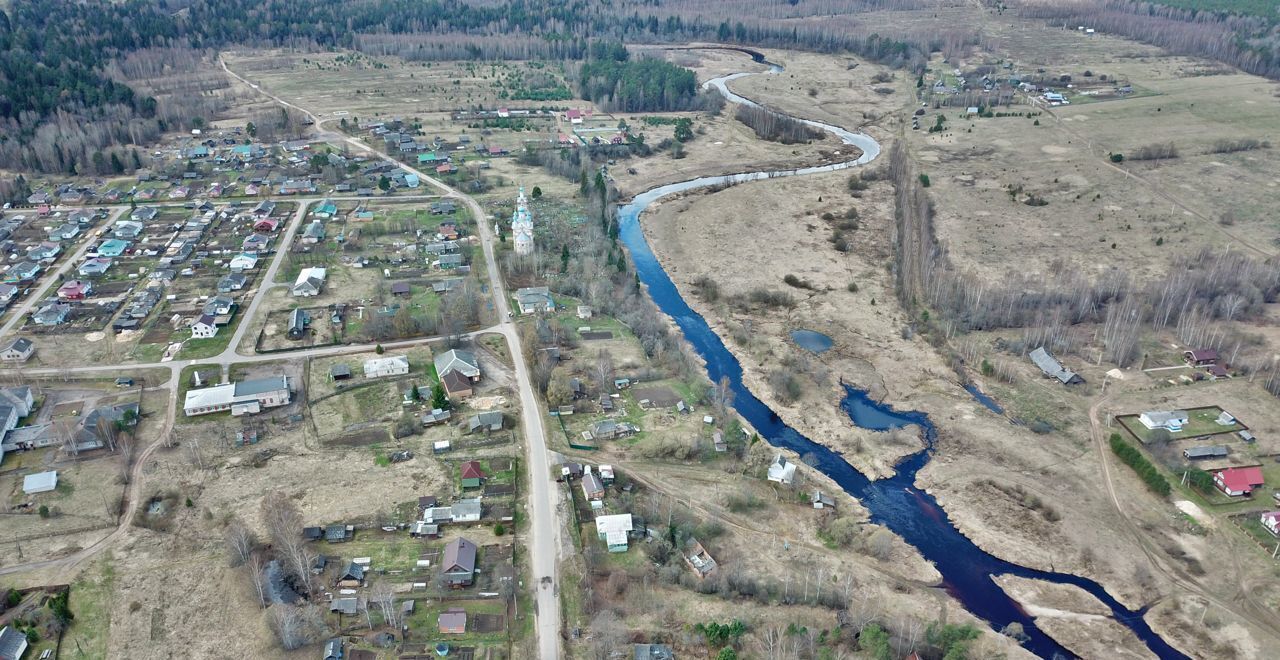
<point x="425" y="620"/>
<point x="1200" y="423"/>
<point x="393" y="551"/>
<point x="90" y="602"/>
<point x="1252" y="525"/>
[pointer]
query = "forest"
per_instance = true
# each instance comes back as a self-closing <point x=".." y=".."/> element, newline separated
<point x="1241" y="33"/>
<point x="617" y="83"/>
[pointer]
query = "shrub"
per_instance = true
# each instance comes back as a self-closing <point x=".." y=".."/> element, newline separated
<point x="793" y="281"/>
<point x="379" y="349"/>
<point x="44" y="511"/>
<point x="1115" y="158"/>
<point x="924" y="180"/>
<point x="1130" y="456"/>
<point x="499" y="530"/>
<point x="853" y="287"/>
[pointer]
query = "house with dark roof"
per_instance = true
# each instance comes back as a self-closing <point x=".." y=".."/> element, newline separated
<point x="232" y="282"/>
<point x="488" y="422"/>
<point x="337" y="533"/>
<point x="51" y="314"/>
<point x="459" y="564"/>
<point x="298" y="322"/>
<point x="94" y="267"/>
<point x="352" y="577"/>
<point x="22" y="272"/>
<point x="592" y="487"/>
<point x="204" y="327"/>
<point x="13" y="643"/>
<point x="18" y="349"/>
<point x="1201" y="357"/>
<point x="456" y="385"/>
<point x="463" y="362"/>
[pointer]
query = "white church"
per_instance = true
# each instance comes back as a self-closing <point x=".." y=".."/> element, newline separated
<point x="522" y="225"/>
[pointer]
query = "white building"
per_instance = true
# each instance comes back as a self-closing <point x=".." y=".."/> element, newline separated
<point x="613" y="530"/>
<point x="1172" y="420"/>
<point x="204" y="327"/>
<point x="17" y="350"/>
<point x="309" y="283"/>
<point x="781" y="470"/>
<point x="522" y="226"/>
<point x="245" y="397"/>
<point x="395" y="365"/>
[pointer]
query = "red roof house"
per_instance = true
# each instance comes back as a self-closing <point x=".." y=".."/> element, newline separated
<point x="472" y="470"/>
<point x="75" y="290"/>
<point x="1238" y="481"/>
<point x="1271" y="520"/>
<point x="1200" y="357"/>
<point x="453" y="621"/>
<point x="266" y="224"/>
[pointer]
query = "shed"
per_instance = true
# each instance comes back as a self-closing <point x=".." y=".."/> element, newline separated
<point x="40" y="482"/>
<point x="340" y="371"/>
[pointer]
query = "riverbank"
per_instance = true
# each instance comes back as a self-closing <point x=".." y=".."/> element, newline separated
<point x="1077" y="620"/>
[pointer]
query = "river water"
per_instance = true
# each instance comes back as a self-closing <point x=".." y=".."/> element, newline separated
<point x="895" y="503"/>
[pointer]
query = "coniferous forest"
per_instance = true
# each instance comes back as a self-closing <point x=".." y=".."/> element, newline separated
<point x="63" y="94"/>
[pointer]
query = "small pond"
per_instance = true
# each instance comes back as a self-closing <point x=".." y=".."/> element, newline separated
<point x="811" y="340"/>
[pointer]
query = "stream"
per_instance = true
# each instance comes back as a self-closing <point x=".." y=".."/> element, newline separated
<point x="895" y="502"/>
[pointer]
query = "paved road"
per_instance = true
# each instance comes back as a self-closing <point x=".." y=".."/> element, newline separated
<point x="544" y="509"/>
<point x="69" y="261"/>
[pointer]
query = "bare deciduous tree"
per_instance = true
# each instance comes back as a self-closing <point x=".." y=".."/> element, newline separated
<point x="284" y="525"/>
<point x="240" y="542"/>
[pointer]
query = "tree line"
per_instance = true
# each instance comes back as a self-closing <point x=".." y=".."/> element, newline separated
<point x="1247" y="41"/>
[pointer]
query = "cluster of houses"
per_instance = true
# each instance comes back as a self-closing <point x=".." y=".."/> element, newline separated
<point x="93" y="430"/>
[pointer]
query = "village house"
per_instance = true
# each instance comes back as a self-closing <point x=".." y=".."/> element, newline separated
<point x="392" y="365"/>
<point x="466" y="510"/>
<point x="488" y="422"/>
<point x="113" y="247"/>
<point x="1170" y="420"/>
<point x="94" y="267"/>
<point x="456" y="385"/>
<point x="459" y="361"/>
<point x="1271" y="522"/>
<point x="309" y="283"/>
<point x="532" y="300"/>
<point x="25" y="271"/>
<point x="144" y="214"/>
<point x="313" y="233"/>
<point x="7" y="293"/>
<point x="232" y="282"/>
<point x="51" y="314"/>
<point x="782" y="471"/>
<point x="127" y="230"/>
<point x="240" y="398"/>
<point x="1201" y="357"/>
<point x="353" y="577"/>
<point x="459" y="564"/>
<point x="298" y="322"/>
<point x="592" y="487"/>
<point x="1238" y="481"/>
<point x="472" y="474"/>
<point x="452" y="621"/>
<point x="242" y="262"/>
<point x="614" y="531"/>
<point x="44" y="252"/>
<point x="18" y="349"/>
<point x="204" y="327"/>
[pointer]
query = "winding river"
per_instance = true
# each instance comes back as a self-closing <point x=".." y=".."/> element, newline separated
<point x="895" y="503"/>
